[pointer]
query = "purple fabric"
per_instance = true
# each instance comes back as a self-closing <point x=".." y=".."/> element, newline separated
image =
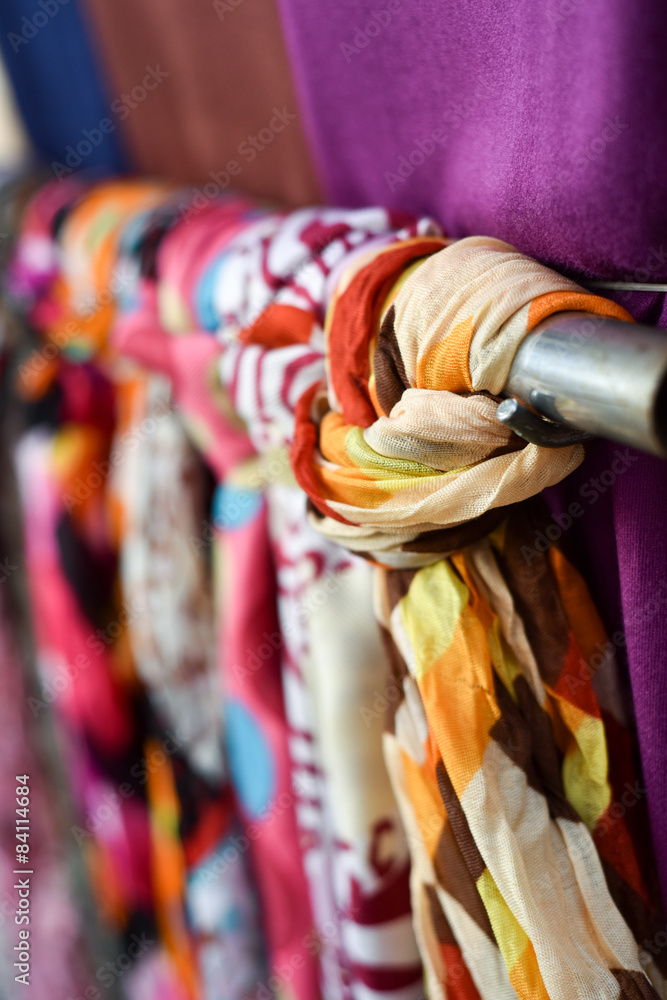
<point x="552" y="136"/>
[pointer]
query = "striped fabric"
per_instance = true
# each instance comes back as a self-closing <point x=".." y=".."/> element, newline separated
<point x="265" y="292"/>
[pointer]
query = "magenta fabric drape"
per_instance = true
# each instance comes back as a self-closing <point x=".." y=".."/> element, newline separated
<point x="542" y="125"/>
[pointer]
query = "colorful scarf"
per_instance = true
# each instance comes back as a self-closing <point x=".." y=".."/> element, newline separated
<point x="376" y="350"/>
<point x="156" y="852"/>
<point x="508" y="748"/>
<point x="253" y="712"/>
<point x="356" y="854"/>
<point x="351" y="865"/>
<point x="158" y="486"/>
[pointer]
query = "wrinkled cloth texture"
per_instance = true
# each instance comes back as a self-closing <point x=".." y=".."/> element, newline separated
<point x="159" y="764"/>
<point x="541" y="127"/>
<point x="358" y="868"/>
<point x="255" y="728"/>
<point x="500" y="733"/>
<point x="354" y="854"/>
<point x="410" y="443"/>
<point x="374" y="349"/>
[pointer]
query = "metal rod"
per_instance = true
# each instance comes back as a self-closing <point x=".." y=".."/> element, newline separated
<point x="597" y="375"/>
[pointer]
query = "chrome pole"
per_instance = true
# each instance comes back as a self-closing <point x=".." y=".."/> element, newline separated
<point x="593" y="374"/>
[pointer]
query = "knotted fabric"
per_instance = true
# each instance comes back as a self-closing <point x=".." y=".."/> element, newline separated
<point x="378" y="349"/>
<point x="509" y="743"/>
<point x="407" y="440"/>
